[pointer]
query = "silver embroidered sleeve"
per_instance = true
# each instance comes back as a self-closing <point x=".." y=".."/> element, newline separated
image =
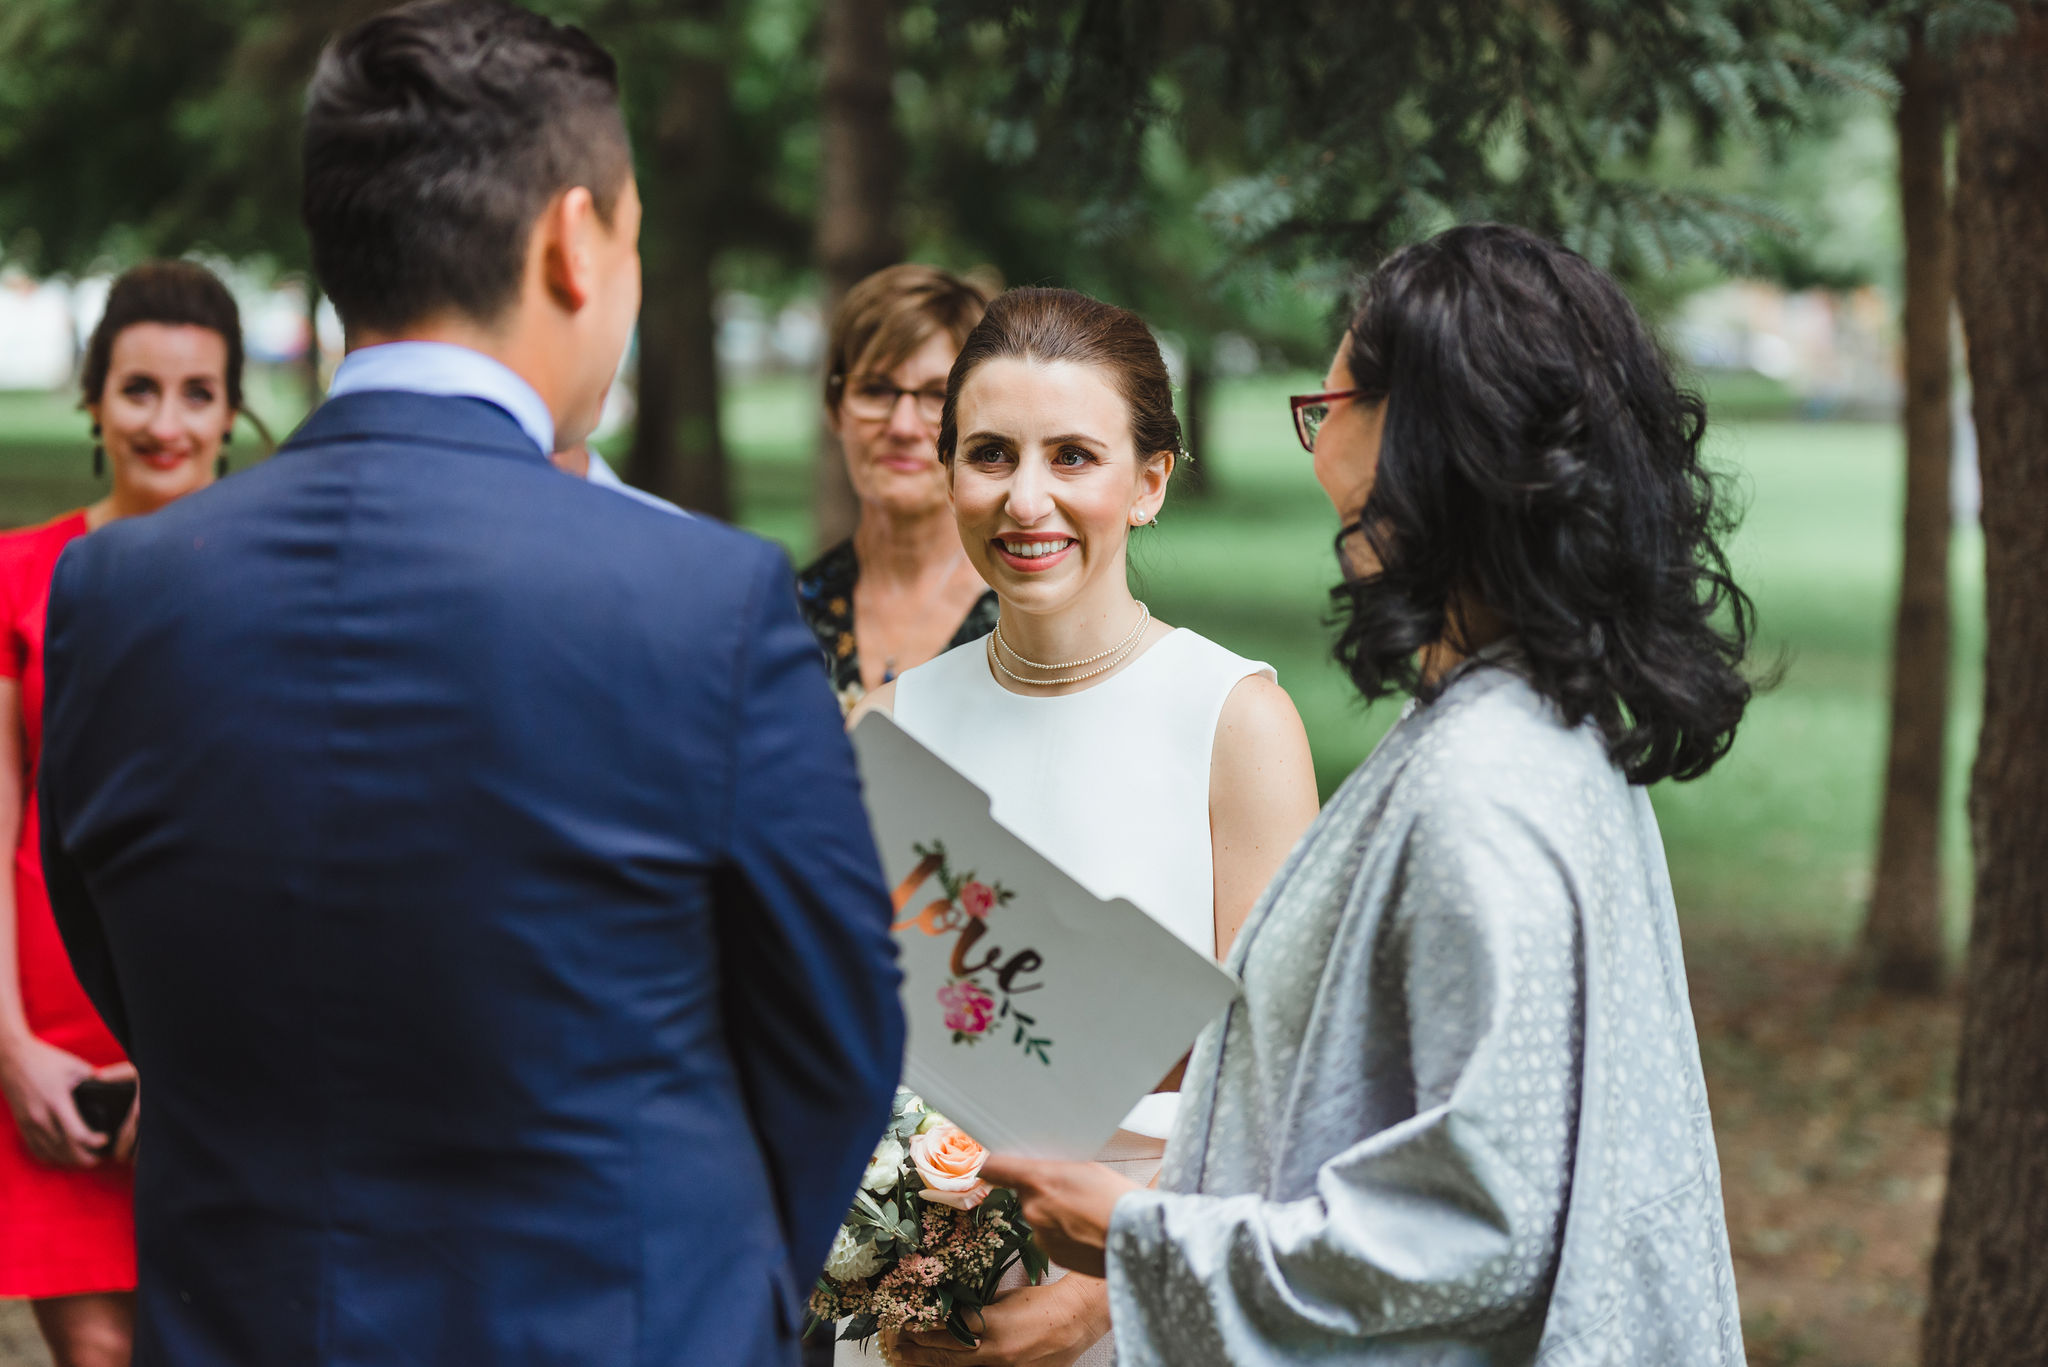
<point x="1446" y="1221"/>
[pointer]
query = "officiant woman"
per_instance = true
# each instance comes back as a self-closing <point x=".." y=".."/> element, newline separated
<point x="900" y="590"/>
<point x="162" y="381"/>
<point x="1457" y="1113"/>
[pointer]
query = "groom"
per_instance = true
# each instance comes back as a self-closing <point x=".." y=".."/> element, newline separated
<point x="470" y="858"/>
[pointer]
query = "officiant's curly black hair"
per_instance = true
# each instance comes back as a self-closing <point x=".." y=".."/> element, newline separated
<point x="435" y="135"/>
<point x="1539" y="458"/>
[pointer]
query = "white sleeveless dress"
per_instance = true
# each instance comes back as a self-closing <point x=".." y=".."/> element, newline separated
<point x="1113" y="784"/>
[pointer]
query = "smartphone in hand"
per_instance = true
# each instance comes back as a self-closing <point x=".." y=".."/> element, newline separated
<point x="104" y="1105"/>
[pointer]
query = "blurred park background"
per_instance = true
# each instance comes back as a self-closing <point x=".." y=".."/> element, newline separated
<point x="1222" y="169"/>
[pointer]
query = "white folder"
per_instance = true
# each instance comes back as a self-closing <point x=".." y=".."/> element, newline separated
<point x="1074" y="1007"/>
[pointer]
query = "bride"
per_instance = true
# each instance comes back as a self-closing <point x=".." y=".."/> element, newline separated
<point x="1150" y="762"/>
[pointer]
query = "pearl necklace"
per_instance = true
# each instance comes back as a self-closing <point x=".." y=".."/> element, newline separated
<point x="1120" y="652"/>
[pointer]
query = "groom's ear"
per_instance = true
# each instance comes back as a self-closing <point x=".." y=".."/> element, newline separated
<point x="568" y="240"/>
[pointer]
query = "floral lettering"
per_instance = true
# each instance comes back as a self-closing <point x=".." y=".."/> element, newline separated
<point x="972" y="1010"/>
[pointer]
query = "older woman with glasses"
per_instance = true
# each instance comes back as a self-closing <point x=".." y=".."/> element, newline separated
<point x="1457" y="1113"/>
<point x="900" y="590"/>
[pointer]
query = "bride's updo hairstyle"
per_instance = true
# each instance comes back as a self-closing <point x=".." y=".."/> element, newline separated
<point x="1066" y="325"/>
<point x="1539" y="459"/>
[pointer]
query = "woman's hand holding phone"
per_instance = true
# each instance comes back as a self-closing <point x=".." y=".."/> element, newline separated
<point x="123" y="1150"/>
<point x="108" y="1102"/>
<point x="38" y="1079"/>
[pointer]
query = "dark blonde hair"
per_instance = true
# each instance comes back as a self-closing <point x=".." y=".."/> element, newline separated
<point x="1066" y="325"/>
<point x="889" y="314"/>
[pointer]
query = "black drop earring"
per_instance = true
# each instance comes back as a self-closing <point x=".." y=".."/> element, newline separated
<point x="99" y="454"/>
<point x="220" y="468"/>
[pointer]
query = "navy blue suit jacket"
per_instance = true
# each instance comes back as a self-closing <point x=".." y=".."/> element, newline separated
<point x="473" y="863"/>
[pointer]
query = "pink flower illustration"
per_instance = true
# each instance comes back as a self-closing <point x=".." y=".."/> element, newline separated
<point x="968" y="1008"/>
<point x="976" y="899"/>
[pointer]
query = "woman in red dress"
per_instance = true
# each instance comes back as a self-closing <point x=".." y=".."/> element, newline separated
<point x="162" y="380"/>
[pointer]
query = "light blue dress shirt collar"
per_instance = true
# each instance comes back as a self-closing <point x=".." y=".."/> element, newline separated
<point x="604" y="477"/>
<point x="452" y="371"/>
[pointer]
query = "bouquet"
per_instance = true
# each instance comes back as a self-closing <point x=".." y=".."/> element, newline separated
<point x="927" y="1240"/>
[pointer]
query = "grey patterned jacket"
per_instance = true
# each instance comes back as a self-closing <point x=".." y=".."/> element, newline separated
<point x="1457" y="1116"/>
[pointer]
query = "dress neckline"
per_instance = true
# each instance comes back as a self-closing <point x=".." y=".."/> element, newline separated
<point x="987" y="674"/>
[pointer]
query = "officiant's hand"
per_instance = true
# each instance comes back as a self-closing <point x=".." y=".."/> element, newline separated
<point x="1027" y="1326"/>
<point x="1068" y="1205"/>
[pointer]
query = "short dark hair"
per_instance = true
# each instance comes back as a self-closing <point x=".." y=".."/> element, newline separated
<point x="1538" y="456"/>
<point x="435" y="136"/>
<point x="177" y="293"/>
<point x="1066" y="325"/>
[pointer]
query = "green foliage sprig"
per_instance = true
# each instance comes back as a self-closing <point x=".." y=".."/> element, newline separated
<point x="1357" y="126"/>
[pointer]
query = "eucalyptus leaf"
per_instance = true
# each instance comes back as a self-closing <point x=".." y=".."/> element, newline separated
<point x="1035" y="1261"/>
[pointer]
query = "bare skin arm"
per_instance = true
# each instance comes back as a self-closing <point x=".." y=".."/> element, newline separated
<point x="1262" y="796"/>
<point x="37" y="1078"/>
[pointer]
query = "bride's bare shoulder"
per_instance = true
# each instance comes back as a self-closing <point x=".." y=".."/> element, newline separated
<point x="881" y="699"/>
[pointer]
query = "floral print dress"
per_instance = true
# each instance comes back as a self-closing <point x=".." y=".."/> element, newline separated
<point x="825" y="595"/>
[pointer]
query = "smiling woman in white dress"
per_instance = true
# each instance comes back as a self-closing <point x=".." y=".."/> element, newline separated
<point x="1150" y="762"/>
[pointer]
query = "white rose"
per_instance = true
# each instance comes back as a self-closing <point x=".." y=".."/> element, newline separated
<point x="851" y="1260"/>
<point x="885" y="1167"/>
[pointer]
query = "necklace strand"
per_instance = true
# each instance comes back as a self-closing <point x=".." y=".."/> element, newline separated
<point x="1120" y="652"/>
<point x="1144" y="616"/>
<point x="995" y="660"/>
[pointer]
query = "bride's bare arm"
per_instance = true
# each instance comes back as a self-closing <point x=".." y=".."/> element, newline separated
<point x="1262" y="796"/>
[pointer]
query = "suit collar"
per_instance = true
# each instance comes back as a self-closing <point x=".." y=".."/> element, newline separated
<point x="422" y="367"/>
<point x="416" y="419"/>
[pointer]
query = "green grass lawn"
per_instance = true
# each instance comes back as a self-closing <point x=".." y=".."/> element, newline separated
<point x="1777" y="839"/>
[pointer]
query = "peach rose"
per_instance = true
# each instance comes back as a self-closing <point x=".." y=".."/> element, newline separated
<point x="950" y="1164"/>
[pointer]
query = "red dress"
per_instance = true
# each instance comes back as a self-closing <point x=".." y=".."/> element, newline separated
<point x="63" y="1231"/>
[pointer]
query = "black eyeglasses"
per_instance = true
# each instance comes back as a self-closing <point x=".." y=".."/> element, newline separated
<point x="874" y="398"/>
<point x="1311" y="411"/>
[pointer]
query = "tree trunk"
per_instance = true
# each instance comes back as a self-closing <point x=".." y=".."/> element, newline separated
<point x="1988" y="1305"/>
<point x="1902" y="939"/>
<point x="678" y="452"/>
<point x="1195" y="478"/>
<point x="857" y="199"/>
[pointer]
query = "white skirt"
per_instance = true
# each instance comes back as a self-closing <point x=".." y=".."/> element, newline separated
<point x="1137" y="1157"/>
